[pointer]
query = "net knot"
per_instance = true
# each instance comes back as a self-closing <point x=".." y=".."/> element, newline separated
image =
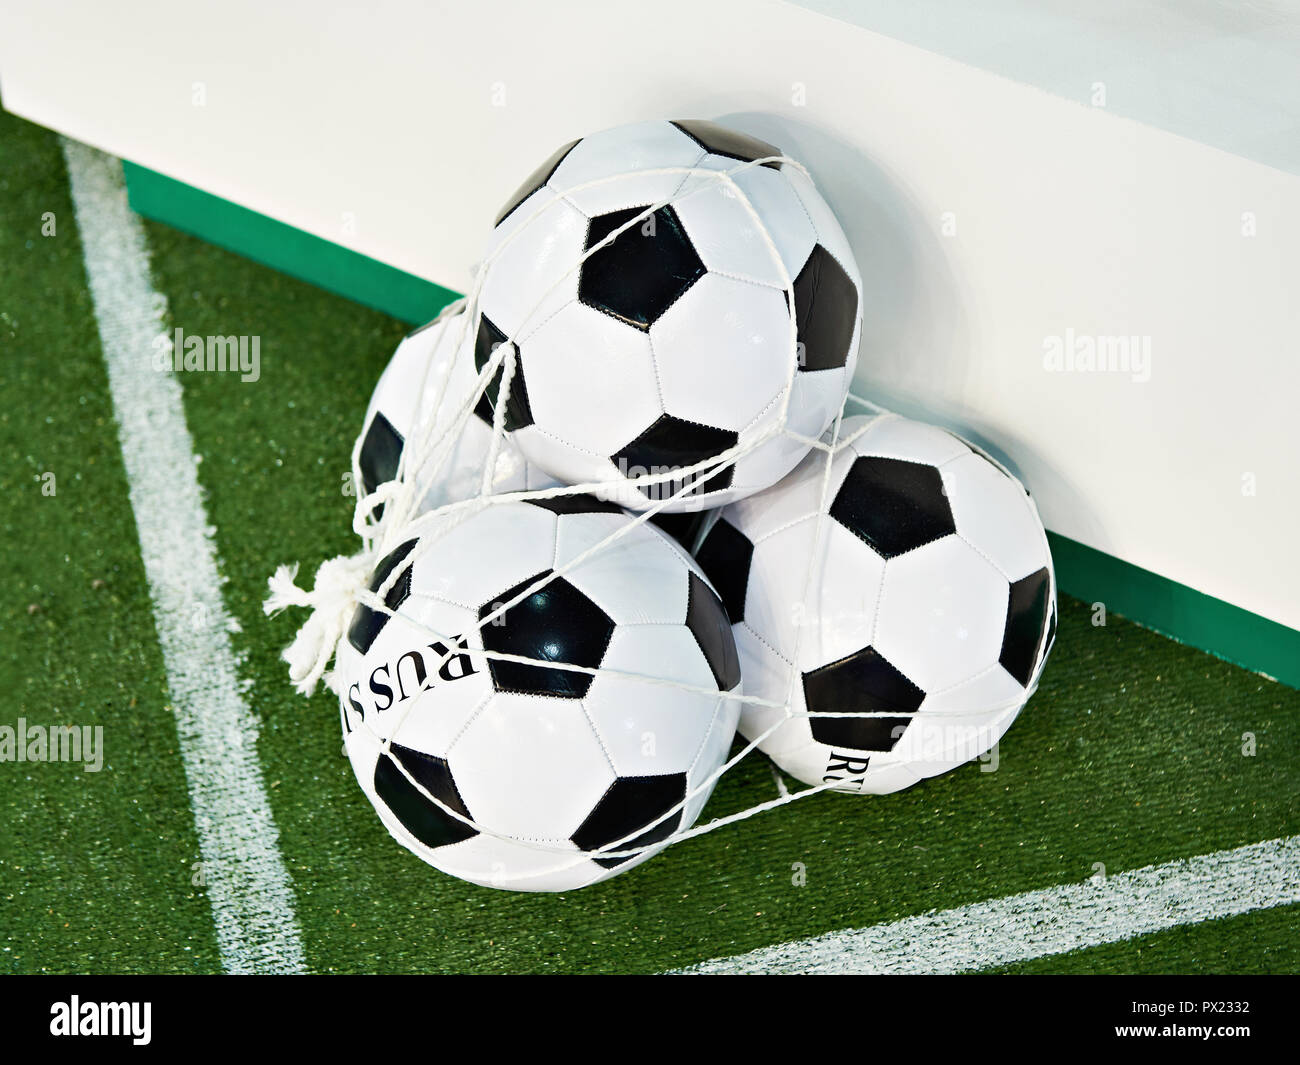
<point x="332" y="600"/>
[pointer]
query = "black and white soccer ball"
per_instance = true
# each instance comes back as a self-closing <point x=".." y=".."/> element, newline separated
<point x="675" y="340"/>
<point x="540" y="763"/>
<point x="919" y="588"/>
<point x="428" y="383"/>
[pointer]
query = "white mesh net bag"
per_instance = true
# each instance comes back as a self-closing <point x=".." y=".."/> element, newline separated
<point x="539" y="685"/>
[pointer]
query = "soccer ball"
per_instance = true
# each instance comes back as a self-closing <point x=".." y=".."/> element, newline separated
<point x="674" y="340"/>
<point x="427" y="384"/>
<point x="540" y="763"/>
<point x="920" y="588"/>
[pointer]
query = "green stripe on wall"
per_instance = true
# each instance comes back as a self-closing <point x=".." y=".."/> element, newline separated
<point x="1172" y="609"/>
<point x="289" y="250"/>
<point x="1177" y="611"/>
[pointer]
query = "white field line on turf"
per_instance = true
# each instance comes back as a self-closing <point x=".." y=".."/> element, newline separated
<point x="247" y="883"/>
<point x="1051" y="921"/>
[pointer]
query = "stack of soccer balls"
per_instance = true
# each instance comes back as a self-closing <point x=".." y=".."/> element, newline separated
<point x="620" y="515"/>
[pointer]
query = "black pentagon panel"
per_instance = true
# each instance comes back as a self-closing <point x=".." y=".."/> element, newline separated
<point x="629" y="804"/>
<point x="576" y="504"/>
<point x="719" y="140"/>
<point x="673" y="444"/>
<point x="707" y="619"/>
<point x="683" y="527"/>
<point x="557" y="623"/>
<point x="725" y="555"/>
<point x="426" y="821"/>
<point x="534" y="181"/>
<point x="1027" y="617"/>
<point x="518" y="412"/>
<point x="367" y="622"/>
<point x="863" y="682"/>
<point x="381" y="451"/>
<point x="643" y="271"/>
<point x="825" y="311"/>
<point x="892" y="505"/>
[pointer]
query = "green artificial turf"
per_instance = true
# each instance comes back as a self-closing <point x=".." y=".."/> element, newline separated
<point x="96" y="869"/>
<point x="1130" y="754"/>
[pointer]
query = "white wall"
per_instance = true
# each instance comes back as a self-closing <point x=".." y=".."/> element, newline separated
<point x="1068" y="218"/>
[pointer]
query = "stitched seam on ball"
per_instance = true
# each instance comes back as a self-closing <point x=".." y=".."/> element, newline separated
<point x="880" y="602"/>
<point x="766" y="408"/>
<point x="696" y="140"/>
<point x="817" y="237"/>
<point x="860" y="440"/>
<point x="518" y="339"/>
<point x="600" y="739"/>
<point x="687" y="177"/>
<point x="743" y="279"/>
<point x="1032" y="511"/>
<point x="754" y="633"/>
<point x="955" y="458"/>
<point x="654" y="365"/>
<point x="958" y="684"/>
<point x="812" y="223"/>
<point x="473" y="716"/>
<point x="974" y="547"/>
<point x="556" y="840"/>
<point x="704" y="742"/>
<point x="418" y="596"/>
<point x="782" y="528"/>
<point x="568" y="443"/>
<point x="564" y="196"/>
<point x="546" y="696"/>
<point x="918" y="547"/>
<point x="677" y="552"/>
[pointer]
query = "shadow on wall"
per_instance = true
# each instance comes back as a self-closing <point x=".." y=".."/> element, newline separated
<point x="916" y="322"/>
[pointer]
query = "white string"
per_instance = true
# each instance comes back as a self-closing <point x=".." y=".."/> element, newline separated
<point x="342" y="583"/>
